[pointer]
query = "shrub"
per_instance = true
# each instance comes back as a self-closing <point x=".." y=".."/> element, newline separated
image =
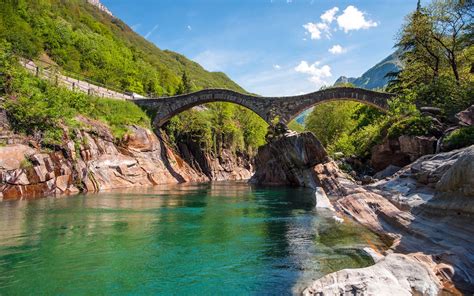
<point x="460" y="138"/>
<point x="40" y="109"/>
<point x="410" y="126"/>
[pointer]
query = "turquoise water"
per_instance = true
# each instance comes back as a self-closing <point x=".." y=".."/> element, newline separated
<point x="211" y="239"/>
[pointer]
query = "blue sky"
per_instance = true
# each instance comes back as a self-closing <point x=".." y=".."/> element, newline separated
<point x="272" y="47"/>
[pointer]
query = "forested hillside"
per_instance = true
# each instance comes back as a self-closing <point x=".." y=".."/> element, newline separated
<point x="82" y="39"/>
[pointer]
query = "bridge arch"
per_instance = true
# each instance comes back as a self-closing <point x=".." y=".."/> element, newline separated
<point x="268" y="108"/>
<point x="306" y="107"/>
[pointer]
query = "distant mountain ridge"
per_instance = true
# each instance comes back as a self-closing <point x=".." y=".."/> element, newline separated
<point x="376" y="77"/>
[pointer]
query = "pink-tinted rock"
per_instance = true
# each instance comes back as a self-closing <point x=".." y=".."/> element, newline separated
<point x="13" y="156"/>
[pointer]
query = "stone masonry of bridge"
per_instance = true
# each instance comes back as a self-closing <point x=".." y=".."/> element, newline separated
<point x="283" y="108"/>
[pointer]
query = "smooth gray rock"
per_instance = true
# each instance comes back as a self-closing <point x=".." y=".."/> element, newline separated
<point x="396" y="274"/>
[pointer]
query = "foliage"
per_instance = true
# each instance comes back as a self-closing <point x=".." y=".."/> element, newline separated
<point x="26" y="164"/>
<point x="216" y="126"/>
<point x="459" y="138"/>
<point x="295" y="126"/>
<point x="410" y="126"/>
<point x="87" y="43"/>
<point x="37" y="108"/>
<point x="438" y="55"/>
<point x="347" y="127"/>
<point x="83" y="40"/>
<point x="328" y="121"/>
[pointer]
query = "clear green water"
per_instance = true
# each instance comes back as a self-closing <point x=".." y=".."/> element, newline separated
<point x="211" y="239"/>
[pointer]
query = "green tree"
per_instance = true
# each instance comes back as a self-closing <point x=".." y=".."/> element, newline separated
<point x="185" y="85"/>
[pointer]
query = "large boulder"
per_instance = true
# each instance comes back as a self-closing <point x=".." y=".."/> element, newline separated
<point x="289" y="160"/>
<point x="396" y="274"/>
<point x="401" y="151"/>
<point x="455" y="190"/>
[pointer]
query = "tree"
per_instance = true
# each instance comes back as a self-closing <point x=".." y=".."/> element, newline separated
<point x="418" y="46"/>
<point x="451" y="20"/>
<point x="185" y="86"/>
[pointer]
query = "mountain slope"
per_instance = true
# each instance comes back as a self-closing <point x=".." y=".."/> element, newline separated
<point x="83" y="39"/>
<point x="375" y="77"/>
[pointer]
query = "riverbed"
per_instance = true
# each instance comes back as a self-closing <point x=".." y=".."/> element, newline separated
<point x="213" y="238"/>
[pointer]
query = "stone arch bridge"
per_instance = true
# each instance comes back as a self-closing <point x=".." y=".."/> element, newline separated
<point x="268" y="108"/>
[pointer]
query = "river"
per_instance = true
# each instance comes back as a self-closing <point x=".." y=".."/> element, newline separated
<point x="215" y="238"/>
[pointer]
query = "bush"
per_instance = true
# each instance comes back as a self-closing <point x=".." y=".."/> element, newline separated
<point x="410" y="126"/>
<point x="38" y="108"/>
<point x="460" y="138"/>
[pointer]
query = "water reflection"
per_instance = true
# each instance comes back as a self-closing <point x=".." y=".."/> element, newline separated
<point x="194" y="238"/>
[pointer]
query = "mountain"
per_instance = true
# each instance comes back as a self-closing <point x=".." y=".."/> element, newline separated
<point x="375" y="77"/>
<point x="84" y="38"/>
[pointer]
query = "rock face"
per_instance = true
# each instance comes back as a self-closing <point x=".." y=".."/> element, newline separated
<point x="93" y="162"/>
<point x="225" y="166"/>
<point x="423" y="212"/>
<point x="289" y="160"/>
<point x="428" y="205"/>
<point x="401" y="151"/>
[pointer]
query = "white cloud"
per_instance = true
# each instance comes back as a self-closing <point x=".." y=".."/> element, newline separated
<point x="315" y="30"/>
<point x="317" y="74"/>
<point x="151" y="32"/>
<point x="354" y="19"/>
<point x="337" y="49"/>
<point x="276" y="67"/>
<point x="329" y="15"/>
<point x="350" y="19"/>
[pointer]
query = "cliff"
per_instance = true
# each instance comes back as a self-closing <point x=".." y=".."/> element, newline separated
<point x="95" y="162"/>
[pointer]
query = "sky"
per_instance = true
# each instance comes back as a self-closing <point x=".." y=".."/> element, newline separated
<point x="272" y="47"/>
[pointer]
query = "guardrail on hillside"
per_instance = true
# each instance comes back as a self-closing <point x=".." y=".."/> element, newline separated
<point x="52" y="74"/>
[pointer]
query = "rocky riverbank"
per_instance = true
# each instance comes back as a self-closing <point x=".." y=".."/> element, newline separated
<point x="424" y="213"/>
<point x="95" y="161"/>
